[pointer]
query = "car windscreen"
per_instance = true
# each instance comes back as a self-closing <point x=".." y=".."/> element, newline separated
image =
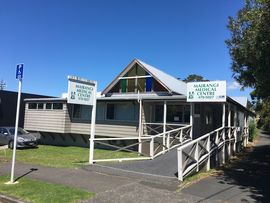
<point x="20" y="131"/>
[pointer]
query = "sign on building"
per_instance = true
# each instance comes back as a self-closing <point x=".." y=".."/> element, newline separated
<point x="81" y="91"/>
<point x="212" y="91"/>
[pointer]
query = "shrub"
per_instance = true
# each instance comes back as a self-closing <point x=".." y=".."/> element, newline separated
<point x="252" y="130"/>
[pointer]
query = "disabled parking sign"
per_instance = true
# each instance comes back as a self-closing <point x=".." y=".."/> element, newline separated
<point x="19" y="71"/>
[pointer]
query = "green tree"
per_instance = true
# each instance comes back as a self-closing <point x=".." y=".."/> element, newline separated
<point x="249" y="46"/>
<point x="263" y="109"/>
<point x="194" y="78"/>
<point x="251" y="105"/>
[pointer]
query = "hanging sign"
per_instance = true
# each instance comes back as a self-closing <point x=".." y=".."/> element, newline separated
<point x="212" y="91"/>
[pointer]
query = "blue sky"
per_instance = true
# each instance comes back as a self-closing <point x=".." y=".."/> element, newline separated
<point x="96" y="39"/>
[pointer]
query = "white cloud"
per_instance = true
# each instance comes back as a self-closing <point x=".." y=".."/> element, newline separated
<point x="233" y="85"/>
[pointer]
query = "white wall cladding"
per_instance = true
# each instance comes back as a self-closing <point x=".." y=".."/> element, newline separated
<point x="59" y="121"/>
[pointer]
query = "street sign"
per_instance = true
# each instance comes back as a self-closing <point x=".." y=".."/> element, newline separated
<point x="212" y="91"/>
<point x="19" y="71"/>
<point x="19" y="76"/>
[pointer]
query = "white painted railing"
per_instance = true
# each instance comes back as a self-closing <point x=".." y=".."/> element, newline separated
<point x="155" y="144"/>
<point x="156" y="128"/>
<point x="164" y="142"/>
<point x="197" y="153"/>
<point x="245" y="136"/>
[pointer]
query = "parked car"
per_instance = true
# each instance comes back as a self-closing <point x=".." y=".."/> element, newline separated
<point x="25" y="139"/>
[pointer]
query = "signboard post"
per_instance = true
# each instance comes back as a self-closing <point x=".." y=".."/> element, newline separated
<point x="83" y="92"/>
<point x="19" y="76"/>
<point x="212" y="91"/>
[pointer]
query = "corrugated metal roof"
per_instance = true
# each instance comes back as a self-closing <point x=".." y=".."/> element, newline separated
<point x="46" y="99"/>
<point x="143" y="97"/>
<point x="175" y="85"/>
<point x="241" y="100"/>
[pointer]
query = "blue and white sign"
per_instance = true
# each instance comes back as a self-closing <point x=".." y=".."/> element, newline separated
<point x="19" y="71"/>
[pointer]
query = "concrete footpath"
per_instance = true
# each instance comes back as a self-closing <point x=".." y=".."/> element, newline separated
<point x="247" y="181"/>
<point x="116" y="187"/>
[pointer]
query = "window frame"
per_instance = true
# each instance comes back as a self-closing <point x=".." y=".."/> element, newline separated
<point x="50" y="103"/>
<point x="32" y="103"/>
<point x="38" y="106"/>
<point x="62" y="106"/>
<point x="120" y="120"/>
<point x="85" y="120"/>
<point x="182" y="119"/>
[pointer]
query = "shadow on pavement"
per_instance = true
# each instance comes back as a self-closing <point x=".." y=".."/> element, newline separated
<point x="30" y="171"/>
<point x="252" y="171"/>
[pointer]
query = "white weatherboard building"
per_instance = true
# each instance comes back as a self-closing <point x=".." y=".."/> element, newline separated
<point x="143" y="109"/>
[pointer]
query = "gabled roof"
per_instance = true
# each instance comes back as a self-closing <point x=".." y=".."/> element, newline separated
<point x="172" y="84"/>
<point x="241" y="100"/>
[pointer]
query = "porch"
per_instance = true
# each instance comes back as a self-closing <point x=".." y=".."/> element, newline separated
<point x="167" y="124"/>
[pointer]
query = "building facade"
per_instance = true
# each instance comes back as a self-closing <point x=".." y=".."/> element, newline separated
<point x="141" y="101"/>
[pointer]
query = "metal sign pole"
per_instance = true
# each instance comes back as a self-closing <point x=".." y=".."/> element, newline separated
<point x="93" y="123"/>
<point x="19" y="76"/>
<point x="16" y="132"/>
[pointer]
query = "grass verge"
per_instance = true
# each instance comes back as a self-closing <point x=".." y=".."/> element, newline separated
<point x="219" y="170"/>
<point x="61" y="157"/>
<point x="38" y="192"/>
<point x="197" y="177"/>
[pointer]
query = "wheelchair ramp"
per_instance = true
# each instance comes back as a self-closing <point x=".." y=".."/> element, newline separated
<point x="163" y="166"/>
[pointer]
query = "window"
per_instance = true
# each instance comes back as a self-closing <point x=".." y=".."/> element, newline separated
<point x="159" y="113"/>
<point x="32" y="106"/>
<point x="110" y="111"/>
<point x="208" y="118"/>
<point x="20" y="131"/>
<point x="82" y="112"/>
<point x="186" y="114"/>
<point x="48" y="105"/>
<point x="175" y="113"/>
<point x="137" y="79"/>
<point x="40" y="105"/>
<point x="121" y="111"/>
<point x="4" y="131"/>
<point x="57" y="105"/>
